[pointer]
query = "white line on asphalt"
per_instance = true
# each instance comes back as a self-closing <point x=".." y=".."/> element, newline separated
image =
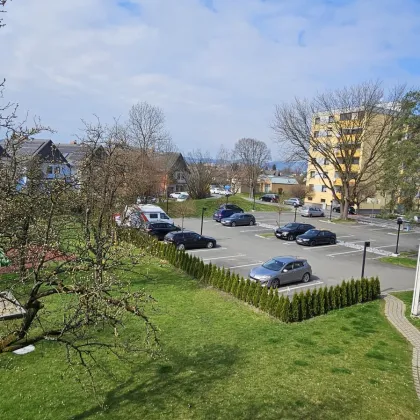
<point x="312" y="248"/>
<point x="346" y="236"/>
<point x="375" y="258"/>
<point x="246" y="265"/>
<point x="207" y="249"/>
<point x="263" y="237"/>
<point x="219" y="258"/>
<point x="288" y="289"/>
<point x="256" y="230"/>
<point x="401" y="233"/>
<point x="366" y="240"/>
<point x="342" y="253"/>
<point x="382" y="228"/>
<point x="385" y="246"/>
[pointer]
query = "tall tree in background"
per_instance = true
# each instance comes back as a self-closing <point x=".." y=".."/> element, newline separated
<point x="228" y="170"/>
<point x="200" y="175"/>
<point x="333" y="126"/>
<point x="252" y="154"/>
<point x="401" y="180"/>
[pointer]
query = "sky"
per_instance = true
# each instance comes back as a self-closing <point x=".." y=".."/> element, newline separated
<point x="217" y="68"/>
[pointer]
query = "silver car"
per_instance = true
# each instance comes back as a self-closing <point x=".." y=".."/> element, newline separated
<point x="307" y="211"/>
<point x="282" y="270"/>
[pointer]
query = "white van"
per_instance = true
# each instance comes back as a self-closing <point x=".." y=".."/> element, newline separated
<point x="136" y="215"/>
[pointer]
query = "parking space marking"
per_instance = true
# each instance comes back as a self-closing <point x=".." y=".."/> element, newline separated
<point x="342" y="253"/>
<point x="345" y="236"/>
<point x="207" y="249"/>
<point x="288" y="289"/>
<point x="256" y="230"/>
<point x="312" y="248"/>
<point x="219" y="258"/>
<point x="366" y="240"/>
<point x="263" y="237"/>
<point x="401" y="233"/>
<point x="385" y="246"/>
<point x="382" y="228"/>
<point x="246" y="265"/>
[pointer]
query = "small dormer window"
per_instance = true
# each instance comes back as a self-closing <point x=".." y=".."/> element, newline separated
<point x="57" y="170"/>
<point x="49" y="170"/>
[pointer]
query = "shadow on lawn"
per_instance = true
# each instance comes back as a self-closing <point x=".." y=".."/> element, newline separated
<point x="183" y="381"/>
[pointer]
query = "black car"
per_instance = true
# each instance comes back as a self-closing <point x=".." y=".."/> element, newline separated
<point x="337" y="209"/>
<point x="270" y="198"/>
<point x="230" y="207"/>
<point x="224" y="213"/>
<point x="160" y="229"/>
<point x="187" y="240"/>
<point x="317" y="237"/>
<point x="239" y="219"/>
<point x="292" y="230"/>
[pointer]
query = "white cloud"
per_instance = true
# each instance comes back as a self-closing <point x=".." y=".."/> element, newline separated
<point x="216" y="75"/>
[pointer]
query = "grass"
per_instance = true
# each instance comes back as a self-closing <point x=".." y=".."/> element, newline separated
<point x="224" y="360"/>
<point x="407" y="298"/>
<point x="211" y="204"/>
<point x="344" y="221"/>
<point x="405" y="259"/>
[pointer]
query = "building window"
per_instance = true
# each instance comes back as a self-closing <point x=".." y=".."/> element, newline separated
<point x="312" y="174"/>
<point x="57" y="170"/>
<point x="49" y="170"/>
<point x="324" y="175"/>
<point x="322" y="200"/>
<point x="309" y="198"/>
<point x="326" y="161"/>
<point x="317" y="120"/>
<point x="324" y="188"/>
<point x="345" y="116"/>
<point x="316" y="134"/>
<point x="355" y="161"/>
<point x="329" y="133"/>
<point x="331" y="119"/>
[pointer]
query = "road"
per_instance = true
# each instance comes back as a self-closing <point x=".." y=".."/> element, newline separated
<point x="241" y="248"/>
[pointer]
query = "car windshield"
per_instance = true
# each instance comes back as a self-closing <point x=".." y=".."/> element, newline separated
<point x="312" y="232"/>
<point x="235" y="216"/>
<point x="291" y="225"/>
<point x="274" y="265"/>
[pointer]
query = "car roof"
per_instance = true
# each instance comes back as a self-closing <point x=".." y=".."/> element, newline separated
<point x="288" y="259"/>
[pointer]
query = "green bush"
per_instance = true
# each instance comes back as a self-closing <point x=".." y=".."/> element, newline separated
<point x="296" y="311"/>
<point x="240" y="289"/>
<point x="343" y="292"/>
<point x="279" y="307"/>
<point x="304" y="306"/>
<point x="337" y="291"/>
<point x="245" y="290"/>
<point x="326" y="300"/>
<point x="315" y="302"/>
<point x="377" y="289"/>
<point x="364" y="289"/>
<point x="321" y="299"/>
<point x="369" y="288"/>
<point x="273" y="303"/>
<point x="251" y="293"/>
<point x="286" y="313"/>
<point x="263" y="299"/>
<point x="308" y="300"/>
<point x="358" y="288"/>
<point x="227" y="281"/>
<point x="331" y="298"/>
<point x="257" y="294"/>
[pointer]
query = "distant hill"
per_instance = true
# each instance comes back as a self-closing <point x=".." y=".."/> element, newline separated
<point x="302" y="166"/>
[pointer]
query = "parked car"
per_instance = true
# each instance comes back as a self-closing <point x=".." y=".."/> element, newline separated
<point x="317" y="237"/>
<point x="216" y="190"/>
<point x="293" y="201"/>
<point x="239" y="219"/>
<point x="337" y="209"/>
<point x="282" y="270"/>
<point x="137" y="215"/>
<point x="146" y="200"/>
<point x="177" y="194"/>
<point x="292" y="230"/>
<point x="230" y="207"/>
<point x="188" y="239"/>
<point x="307" y="211"/>
<point x="160" y="229"/>
<point x="270" y="198"/>
<point x="224" y="213"/>
<point x="183" y="197"/>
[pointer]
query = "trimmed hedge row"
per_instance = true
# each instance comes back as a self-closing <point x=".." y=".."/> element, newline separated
<point x="302" y="306"/>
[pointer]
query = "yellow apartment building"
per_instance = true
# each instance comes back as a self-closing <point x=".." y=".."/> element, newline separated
<point x="326" y="128"/>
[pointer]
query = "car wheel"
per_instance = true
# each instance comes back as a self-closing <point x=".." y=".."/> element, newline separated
<point x="312" y="243"/>
<point x="251" y="223"/>
<point x="181" y="247"/>
<point x="310" y="214"/>
<point x="210" y="245"/>
<point x="233" y="224"/>
<point x="275" y="284"/>
<point x="306" y="277"/>
<point x="322" y="215"/>
<point x="290" y="237"/>
<point x="333" y="241"/>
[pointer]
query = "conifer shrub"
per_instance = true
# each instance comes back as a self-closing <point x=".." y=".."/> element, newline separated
<point x="321" y="299"/>
<point x="240" y="288"/>
<point x="369" y="288"/>
<point x="343" y="292"/>
<point x="273" y="303"/>
<point x="331" y="298"/>
<point x="337" y="291"/>
<point x="251" y="292"/>
<point x="286" y="312"/>
<point x="263" y="299"/>
<point x="358" y="288"/>
<point x="377" y="292"/>
<point x="315" y="302"/>
<point x="295" y="309"/>
<point x="257" y="294"/>
<point x="364" y="289"/>
<point x="326" y="300"/>
<point x="308" y="302"/>
<point x="279" y="307"/>
<point x="247" y="285"/>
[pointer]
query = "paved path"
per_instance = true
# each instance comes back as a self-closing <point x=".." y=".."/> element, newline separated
<point x="395" y="312"/>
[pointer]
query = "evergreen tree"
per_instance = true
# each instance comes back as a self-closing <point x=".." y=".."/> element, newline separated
<point x="308" y="300"/>
<point x="352" y="292"/>
<point x="251" y="292"/>
<point x="240" y="289"/>
<point x="331" y="297"/>
<point x="369" y="287"/>
<point x="343" y="290"/>
<point x="285" y="313"/>
<point x="315" y="303"/>
<point x="326" y="300"/>
<point x="295" y="308"/>
<point x="263" y="299"/>
<point x="337" y="290"/>
<point x="358" y="288"/>
<point x="279" y="307"/>
<point x="303" y="306"/>
<point x="257" y="294"/>
<point x="245" y="290"/>
<point x="273" y="304"/>
<point x="364" y="289"/>
<point x="321" y="298"/>
<point x="227" y="282"/>
<point x="270" y="298"/>
<point x="377" y="287"/>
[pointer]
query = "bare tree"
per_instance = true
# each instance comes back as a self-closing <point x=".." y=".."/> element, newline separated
<point x="252" y="154"/>
<point x="333" y="128"/>
<point x="360" y="192"/>
<point x="201" y="174"/>
<point x="229" y="171"/>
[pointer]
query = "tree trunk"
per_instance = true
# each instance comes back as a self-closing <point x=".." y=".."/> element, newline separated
<point x="345" y="210"/>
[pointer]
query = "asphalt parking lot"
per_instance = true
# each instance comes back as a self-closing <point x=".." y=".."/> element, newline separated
<point x="243" y="247"/>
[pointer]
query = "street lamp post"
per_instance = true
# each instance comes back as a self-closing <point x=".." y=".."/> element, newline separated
<point x="296" y="207"/>
<point x="253" y="196"/>
<point x="367" y="244"/>
<point x="331" y="210"/>
<point x="400" y="222"/>
<point x="202" y="218"/>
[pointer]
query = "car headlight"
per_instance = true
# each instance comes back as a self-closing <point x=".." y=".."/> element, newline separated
<point x="263" y="278"/>
<point x="305" y="240"/>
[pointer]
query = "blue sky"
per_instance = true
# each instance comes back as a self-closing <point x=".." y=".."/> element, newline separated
<point x="216" y="67"/>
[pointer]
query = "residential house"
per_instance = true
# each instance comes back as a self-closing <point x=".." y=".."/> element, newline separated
<point x="276" y="184"/>
<point x="172" y="168"/>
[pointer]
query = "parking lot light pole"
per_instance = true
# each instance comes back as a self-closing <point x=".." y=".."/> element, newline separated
<point x="331" y="210"/>
<point x="400" y="222"/>
<point x="296" y="207"/>
<point x="202" y="218"/>
<point x="367" y="244"/>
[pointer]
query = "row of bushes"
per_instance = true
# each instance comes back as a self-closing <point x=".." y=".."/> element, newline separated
<point x="302" y="306"/>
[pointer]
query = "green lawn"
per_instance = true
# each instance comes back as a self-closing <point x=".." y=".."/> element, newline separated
<point x="224" y="360"/>
<point x="403" y="261"/>
<point x="211" y="204"/>
<point x="407" y="298"/>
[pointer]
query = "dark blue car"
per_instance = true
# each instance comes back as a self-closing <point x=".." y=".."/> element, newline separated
<point x="224" y="213"/>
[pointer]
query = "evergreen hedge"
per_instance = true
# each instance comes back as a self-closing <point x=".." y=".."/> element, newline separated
<point x="302" y="306"/>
